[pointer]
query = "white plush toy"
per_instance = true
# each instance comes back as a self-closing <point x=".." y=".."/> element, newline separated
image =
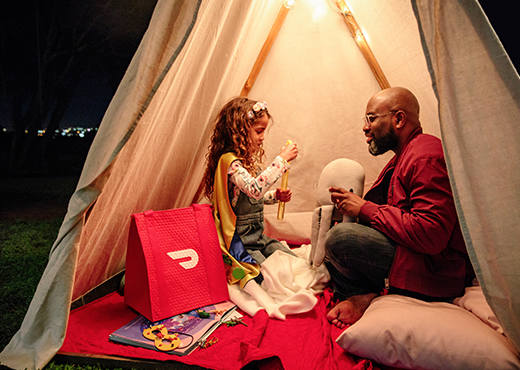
<point x="344" y="173"/>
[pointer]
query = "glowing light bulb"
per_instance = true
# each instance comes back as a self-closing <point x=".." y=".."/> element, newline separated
<point x="359" y="35"/>
<point x="319" y="11"/>
<point x="289" y="3"/>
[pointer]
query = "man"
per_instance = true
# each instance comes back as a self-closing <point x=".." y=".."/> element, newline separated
<point x="408" y="240"/>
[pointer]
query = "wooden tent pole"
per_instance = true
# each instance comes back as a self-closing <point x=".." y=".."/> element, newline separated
<point x="273" y="33"/>
<point x="277" y="25"/>
<point x="363" y="44"/>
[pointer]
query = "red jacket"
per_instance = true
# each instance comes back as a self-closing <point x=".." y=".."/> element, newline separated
<point x="415" y="208"/>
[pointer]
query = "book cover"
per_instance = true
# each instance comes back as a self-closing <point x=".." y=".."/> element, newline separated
<point x="178" y="335"/>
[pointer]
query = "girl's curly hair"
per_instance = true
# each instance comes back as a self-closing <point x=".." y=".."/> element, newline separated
<point x="231" y="134"/>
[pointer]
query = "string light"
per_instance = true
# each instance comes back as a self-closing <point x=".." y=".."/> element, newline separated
<point x="289" y="3"/>
<point x="342" y="7"/>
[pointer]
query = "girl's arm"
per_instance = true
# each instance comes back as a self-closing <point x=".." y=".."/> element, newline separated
<point x="257" y="187"/>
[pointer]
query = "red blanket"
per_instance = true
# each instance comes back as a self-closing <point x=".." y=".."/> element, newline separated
<point x="304" y="341"/>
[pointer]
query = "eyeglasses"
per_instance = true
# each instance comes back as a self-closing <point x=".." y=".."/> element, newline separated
<point x="370" y="118"/>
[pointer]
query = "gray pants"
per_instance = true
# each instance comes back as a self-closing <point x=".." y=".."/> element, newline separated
<point x="358" y="259"/>
<point x="250" y="229"/>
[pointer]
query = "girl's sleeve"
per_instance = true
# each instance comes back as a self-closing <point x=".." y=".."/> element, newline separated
<point x="257" y="187"/>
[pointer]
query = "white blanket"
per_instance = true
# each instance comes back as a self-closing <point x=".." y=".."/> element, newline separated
<point x="290" y="285"/>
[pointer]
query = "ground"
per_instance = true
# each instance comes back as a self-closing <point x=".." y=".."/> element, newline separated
<point x="34" y="199"/>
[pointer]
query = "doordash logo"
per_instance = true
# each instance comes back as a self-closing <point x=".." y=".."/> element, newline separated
<point x="185" y="253"/>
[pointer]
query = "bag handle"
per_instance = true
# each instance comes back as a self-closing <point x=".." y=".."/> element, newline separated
<point x="202" y="227"/>
<point x="158" y="265"/>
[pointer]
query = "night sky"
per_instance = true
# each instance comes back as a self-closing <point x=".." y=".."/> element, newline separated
<point x="95" y="92"/>
<point x="49" y="45"/>
<point x="500" y="14"/>
<point x="504" y="19"/>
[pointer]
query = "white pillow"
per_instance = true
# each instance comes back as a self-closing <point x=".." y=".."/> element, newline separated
<point x="295" y="228"/>
<point x="474" y="301"/>
<point x="408" y="333"/>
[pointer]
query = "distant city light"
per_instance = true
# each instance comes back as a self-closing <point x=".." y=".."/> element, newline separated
<point x="68" y="131"/>
<point x="75" y="131"/>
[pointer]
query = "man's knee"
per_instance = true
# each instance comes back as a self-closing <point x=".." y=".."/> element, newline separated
<point x="339" y="236"/>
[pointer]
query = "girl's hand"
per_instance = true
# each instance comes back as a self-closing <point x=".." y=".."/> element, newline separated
<point x="283" y="195"/>
<point x="289" y="152"/>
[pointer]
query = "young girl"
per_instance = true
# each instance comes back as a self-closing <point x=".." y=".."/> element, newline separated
<point x="238" y="190"/>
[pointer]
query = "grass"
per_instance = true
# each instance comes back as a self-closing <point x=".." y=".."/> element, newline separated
<point x="25" y="242"/>
<point x="25" y="247"/>
<point x="31" y="213"/>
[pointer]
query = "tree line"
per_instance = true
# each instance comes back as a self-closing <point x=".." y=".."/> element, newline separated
<point x="47" y="49"/>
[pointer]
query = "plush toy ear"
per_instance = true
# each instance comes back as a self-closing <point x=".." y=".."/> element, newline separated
<point x="315" y="229"/>
<point x="343" y="173"/>
<point x="319" y="252"/>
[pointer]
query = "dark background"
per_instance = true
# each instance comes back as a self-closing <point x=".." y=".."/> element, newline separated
<point x="502" y="17"/>
<point x="61" y="61"/>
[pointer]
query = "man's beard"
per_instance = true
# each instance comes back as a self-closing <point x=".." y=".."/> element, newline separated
<point x="383" y="144"/>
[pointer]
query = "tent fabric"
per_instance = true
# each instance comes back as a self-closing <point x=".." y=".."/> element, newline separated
<point x="478" y="89"/>
<point x="149" y="152"/>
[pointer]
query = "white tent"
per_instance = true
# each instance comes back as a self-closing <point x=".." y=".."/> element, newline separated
<point x="196" y="55"/>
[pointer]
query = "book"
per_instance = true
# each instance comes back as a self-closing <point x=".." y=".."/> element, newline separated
<point x="177" y="335"/>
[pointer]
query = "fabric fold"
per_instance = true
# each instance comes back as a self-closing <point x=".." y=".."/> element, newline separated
<point x="290" y="286"/>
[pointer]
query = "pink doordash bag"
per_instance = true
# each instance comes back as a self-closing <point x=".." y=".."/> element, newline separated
<point x="174" y="263"/>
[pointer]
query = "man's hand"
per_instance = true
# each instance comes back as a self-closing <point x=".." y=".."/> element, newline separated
<point x="283" y="195"/>
<point x="346" y="202"/>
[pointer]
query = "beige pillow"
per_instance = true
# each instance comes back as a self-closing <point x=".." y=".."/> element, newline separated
<point x="475" y="302"/>
<point x="408" y="333"/>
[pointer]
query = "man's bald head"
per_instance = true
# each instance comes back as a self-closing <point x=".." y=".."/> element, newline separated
<point x="397" y="98"/>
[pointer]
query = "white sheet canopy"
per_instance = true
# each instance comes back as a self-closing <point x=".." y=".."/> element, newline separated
<point x="149" y="152"/>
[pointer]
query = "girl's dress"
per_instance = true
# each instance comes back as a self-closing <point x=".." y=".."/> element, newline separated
<point x="239" y="201"/>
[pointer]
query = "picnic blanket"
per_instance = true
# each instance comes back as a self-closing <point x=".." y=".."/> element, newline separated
<point x="301" y="341"/>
